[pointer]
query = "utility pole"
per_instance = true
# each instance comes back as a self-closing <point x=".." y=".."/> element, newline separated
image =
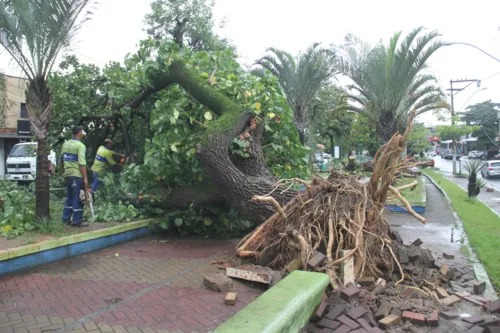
<point x="454" y="144"/>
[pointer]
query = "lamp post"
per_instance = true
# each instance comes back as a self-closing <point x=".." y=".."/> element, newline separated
<point x="452" y="90"/>
<point x="476" y="47"/>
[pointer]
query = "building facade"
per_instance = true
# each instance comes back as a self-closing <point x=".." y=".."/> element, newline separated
<point x="14" y="123"/>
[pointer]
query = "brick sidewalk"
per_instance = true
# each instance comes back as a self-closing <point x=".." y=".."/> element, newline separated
<point x="149" y="285"/>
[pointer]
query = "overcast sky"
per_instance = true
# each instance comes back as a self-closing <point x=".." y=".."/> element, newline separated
<point x="293" y="25"/>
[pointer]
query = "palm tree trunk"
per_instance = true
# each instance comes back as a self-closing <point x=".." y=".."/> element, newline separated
<point x="42" y="181"/>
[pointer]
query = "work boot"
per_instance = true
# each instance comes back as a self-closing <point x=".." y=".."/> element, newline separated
<point x="80" y="225"/>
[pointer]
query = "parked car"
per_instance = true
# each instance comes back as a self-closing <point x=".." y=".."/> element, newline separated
<point x="491" y="169"/>
<point x="482" y="155"/>
<point x="431" y="153"/>
<point x="21" y="162"/>
<point x="473" y="154"/>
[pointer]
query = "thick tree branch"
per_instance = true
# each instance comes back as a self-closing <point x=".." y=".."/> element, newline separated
<point x="182" y="197"/>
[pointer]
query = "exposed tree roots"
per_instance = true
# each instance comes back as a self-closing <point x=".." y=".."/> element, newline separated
<point x="335" y="214"/>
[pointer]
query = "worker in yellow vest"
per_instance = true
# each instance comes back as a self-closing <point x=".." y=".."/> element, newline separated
<point x="74" y="169"/>
<point x="103" y="160"/>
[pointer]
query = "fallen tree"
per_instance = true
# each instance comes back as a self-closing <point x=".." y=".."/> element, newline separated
<point x="336" y="214"/>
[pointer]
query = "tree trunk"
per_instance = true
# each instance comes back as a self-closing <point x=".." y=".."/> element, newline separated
<point x="39" y="105"/>
<point x="42" y="189"/>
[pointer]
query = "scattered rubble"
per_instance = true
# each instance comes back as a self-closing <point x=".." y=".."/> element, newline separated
<point x="427" y="298"/>
<point x="251" y="273"/>
<point x="218" y="282"/>
<point x="420" y="295"/>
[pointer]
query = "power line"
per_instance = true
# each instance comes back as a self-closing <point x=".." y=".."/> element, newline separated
<point x="482" y="127"/>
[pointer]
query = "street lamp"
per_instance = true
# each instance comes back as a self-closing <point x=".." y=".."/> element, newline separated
<point x="452" y="91"/>
<point x="476" y="47"/>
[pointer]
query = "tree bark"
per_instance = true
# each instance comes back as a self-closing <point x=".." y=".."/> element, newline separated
<point x="39" y="105"/>
<point x="42" y="181"/>
<point x="182" y="197"/>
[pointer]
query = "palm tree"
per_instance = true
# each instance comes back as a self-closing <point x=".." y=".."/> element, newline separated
<point x="300" y="78"/>
<point x="391" y="80"/>
<point x="34" y="32"/>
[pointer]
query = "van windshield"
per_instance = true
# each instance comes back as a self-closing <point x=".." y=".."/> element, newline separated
<point x="23" y="151"/>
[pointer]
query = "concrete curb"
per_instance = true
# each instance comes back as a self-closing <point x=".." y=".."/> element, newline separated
<point x="286" y="307"/>
<point x="478" y="267"/>
<point x="19" y="258"/>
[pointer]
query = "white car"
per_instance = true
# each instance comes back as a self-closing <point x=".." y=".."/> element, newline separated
<point x="491" y="169"/>
<point x="473" y="154"/>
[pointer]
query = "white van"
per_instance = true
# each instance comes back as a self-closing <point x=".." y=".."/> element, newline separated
<point x="21" y="163"/>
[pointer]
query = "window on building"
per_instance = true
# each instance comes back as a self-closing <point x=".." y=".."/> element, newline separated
<point x="24" y="111"/>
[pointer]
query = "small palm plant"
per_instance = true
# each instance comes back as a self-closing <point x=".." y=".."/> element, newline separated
<point x="472" y="168"/>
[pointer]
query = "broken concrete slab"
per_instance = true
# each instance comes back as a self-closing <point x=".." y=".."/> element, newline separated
<point x="251" y="273"/>
<point x="347" y="268"/>
<point x="218" y="282"/>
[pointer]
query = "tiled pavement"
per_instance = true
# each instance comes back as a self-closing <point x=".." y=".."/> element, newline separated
<point x="149" y="285"/>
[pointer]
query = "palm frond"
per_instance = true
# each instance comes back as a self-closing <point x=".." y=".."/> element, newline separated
<point x="34" y="32"/>
<point x="392" y="79"/>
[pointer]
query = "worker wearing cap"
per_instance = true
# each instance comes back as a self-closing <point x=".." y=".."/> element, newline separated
<point x="103" y="160"/>
<point x="74" y="169"/>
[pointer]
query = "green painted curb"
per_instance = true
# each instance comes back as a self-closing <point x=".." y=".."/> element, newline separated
<point x="62" y="241"/>
<point x="286" y="307"/>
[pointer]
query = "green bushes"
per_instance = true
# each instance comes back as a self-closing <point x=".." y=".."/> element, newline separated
<point x="17" y="211"/>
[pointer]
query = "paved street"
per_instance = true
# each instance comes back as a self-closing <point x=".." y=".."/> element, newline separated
<point x="149" y="285"/>
<point x="492" y="199"/>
